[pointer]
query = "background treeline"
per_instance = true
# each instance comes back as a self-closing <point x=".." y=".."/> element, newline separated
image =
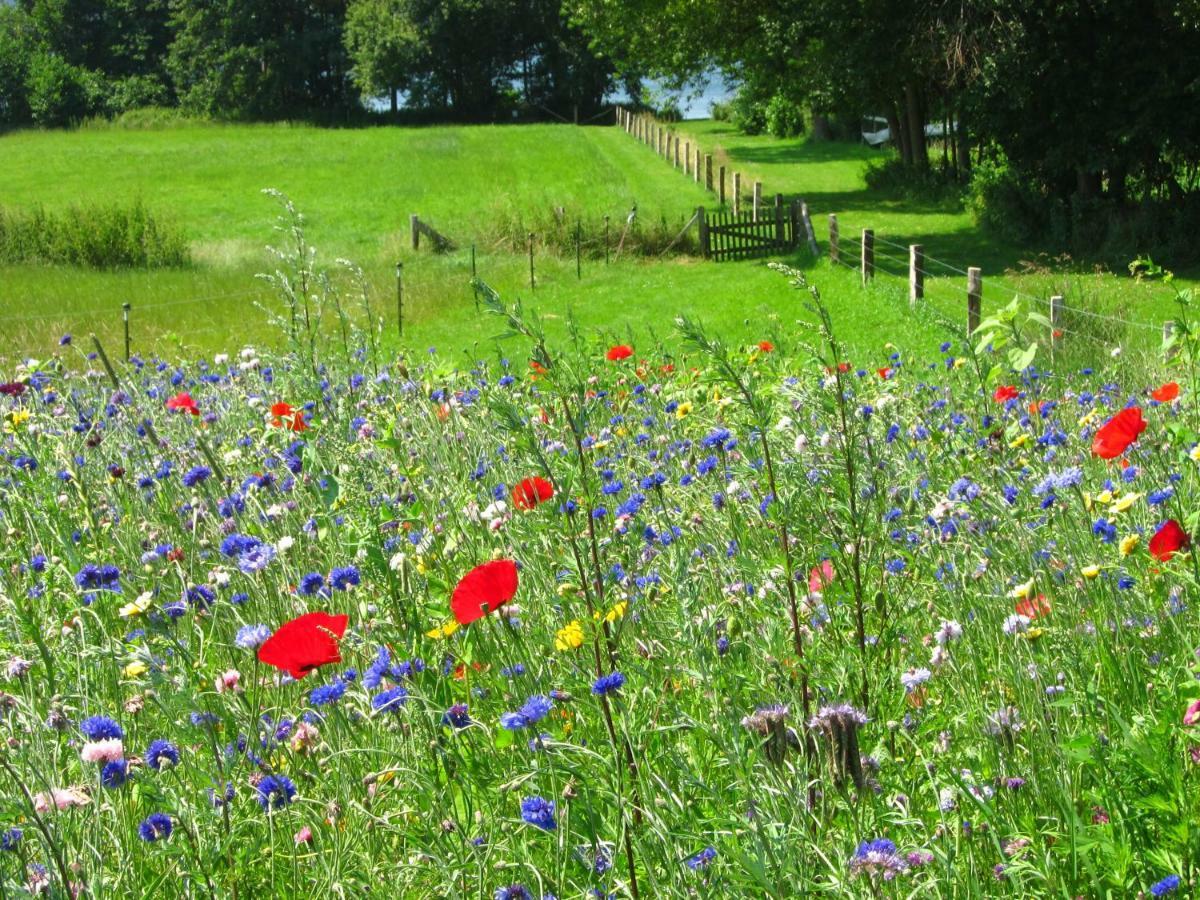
<point x="1076" y="124"/>
<point x="62" y="61"/>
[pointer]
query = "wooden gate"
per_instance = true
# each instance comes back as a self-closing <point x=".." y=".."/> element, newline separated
<point x="772" y="231"/>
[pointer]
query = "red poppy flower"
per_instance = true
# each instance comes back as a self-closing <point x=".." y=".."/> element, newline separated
<point x="766" y="346"/>
<point x="183" y="403"/>
<point x="619" y="352"/>
<point x="304" y="643"/>
<point x="532" y="491"/>
<point x="1004" y="393"/>
<point x="820" y="577"/>
<point x="884" y="372"/>
<point x="1034" y="607"/>
<point x="12" y="388"/>
<point x="1166" y="393"/>
<point x="284" y="416"/>
<point x="483" y="590"/>
<point x="1114" y="437"/>
<point x="843" y="367"/>
<point x="1168" y="540"/>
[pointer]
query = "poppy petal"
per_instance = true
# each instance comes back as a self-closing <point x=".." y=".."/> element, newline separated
<point x="305" y="643"/>
<point x="484" y="589"/>
<point x="1168" y="540"/>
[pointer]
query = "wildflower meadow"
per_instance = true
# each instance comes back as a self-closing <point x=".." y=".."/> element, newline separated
<point x="608" y="617"/>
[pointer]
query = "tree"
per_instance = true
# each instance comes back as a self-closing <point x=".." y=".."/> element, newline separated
<point x="383" y="44"/>
<point x="265" y="59"/>
<point x="18" y="45"/>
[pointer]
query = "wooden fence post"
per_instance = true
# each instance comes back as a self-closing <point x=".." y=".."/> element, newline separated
<point x="677" y="151"/>
<point x="1056" y="310"/>
<point x="721" y="184"/>
<point x="756" y="207"/>
<point x="780" y="235"/>
<point x="414" y="222"/>
<point x="703" y="232"/>
<point x="737" y="193"/>
<point x="809" y="234"/>
<point x="708" y="182"/>
<point x="699" y="157"/>
<point x="916" y="273"/>
<point x="868" y="255"/>
<point x="833" y="240"/>
<point x="974" y="298"/>
<point x="687" y="157"/>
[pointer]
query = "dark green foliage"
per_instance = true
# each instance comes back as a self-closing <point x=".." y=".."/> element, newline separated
<point x="240" y="59"/>
<point x="98" y="237"/>
<point x="59" y="93"/>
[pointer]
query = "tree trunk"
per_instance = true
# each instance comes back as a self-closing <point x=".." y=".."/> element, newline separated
<point x="392" y="95"/>
<point x="1087" y="184"/>
<point x="916" y="127"/>
<point x="896" y="126"/>
<point x="821" y="129"/>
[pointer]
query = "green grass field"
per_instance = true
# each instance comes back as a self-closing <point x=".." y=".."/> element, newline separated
<point x="487" y="186"/>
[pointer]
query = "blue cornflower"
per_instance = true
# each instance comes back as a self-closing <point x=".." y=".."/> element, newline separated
<point x="1167" y="886"/>
<point x="895" y="566"/>
<point x="100" y="728"/>
<point x="344" y="578"/>
<point x="327" y="694"/>
<point x="196" y="475"/>
<point x="389" y="700"/>
<point x="457" y="716"/>
<point x="114" y="774"/>
<point x="535" y="709"/>
<point x="251" y="636"/>
<point x="311" y="584"/>
<point x="608" y="684"/>
<point x="275" y="792"/>
<point x="237" y="544"/>
<point x="11" y="838"/>
<point x="701" y="859"/>
<point x="161" y="753"/>
<point x="1154" y="498"/>
<point x="256" y="558"/>
<point x="964" y="489"/>
<point x="155" y="827"/>
<point x="539" y="813"/>
<point x="373" y="676"/>
<point x="513" y="891"/>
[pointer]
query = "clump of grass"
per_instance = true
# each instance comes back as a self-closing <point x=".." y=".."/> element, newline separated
<point x="554" y="231"/>
<point x="108" y="236"/>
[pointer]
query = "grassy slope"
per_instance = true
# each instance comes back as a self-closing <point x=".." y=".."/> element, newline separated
<point x="357" y="188"/>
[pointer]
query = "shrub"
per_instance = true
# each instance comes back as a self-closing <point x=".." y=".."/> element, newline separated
<point x="98" y="237"/>
<point x="784" y="118"/>
<point x="59" y="93"/>
<point x="721" y="111"/>
<point x="749" y="112"/>
<point x="136" y="92"/>
<point x="935" y="184"/>
<point x="1006" y="206"/>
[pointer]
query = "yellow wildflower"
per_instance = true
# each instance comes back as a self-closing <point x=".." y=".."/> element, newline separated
<point x="617" y="611"/>
<point x="1123" y="503"/>
<point x="1022" y="591"/>
<point x="135" y="669"/>
<point x="1090" y="571"/>
<point x="1128" y="543"/>
<point x="682" y="410"/>
<point x="16" y="419"/>
<point x="569" y="637"/>
<point x="1194" y="453"/>
<point x="443" y="631"/>
<point x="137" y="607"/>
<point x="1019" y="441"/>
<point x="1104" y="497"/>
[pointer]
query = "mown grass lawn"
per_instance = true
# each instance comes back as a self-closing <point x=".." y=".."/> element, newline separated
<point x="486" y="186"/>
